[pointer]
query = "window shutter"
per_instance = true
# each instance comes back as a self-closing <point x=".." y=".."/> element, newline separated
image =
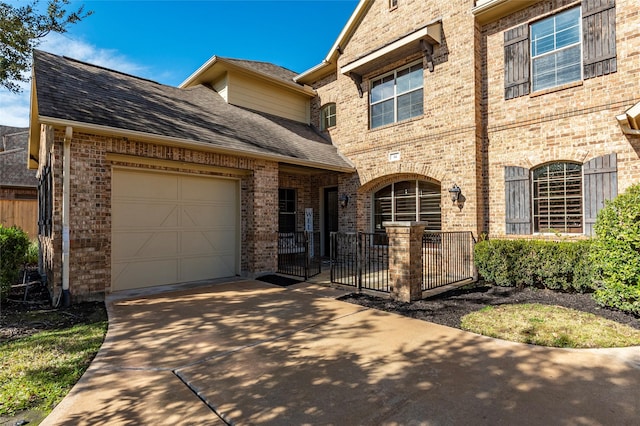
<point x="598" y="37"/>
<point x="516" y="62"/>
<point x="600" y="184"/>
<point x="517" y="200"/>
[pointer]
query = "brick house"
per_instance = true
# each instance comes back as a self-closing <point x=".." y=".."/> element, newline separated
<point x="528" y="108"/>
<point x="18" y="185"/>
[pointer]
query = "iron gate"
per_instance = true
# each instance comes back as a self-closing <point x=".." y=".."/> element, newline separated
<point x="447" y="258"/>
<point x="299" y="253"/>
<point x="360" y="260"/>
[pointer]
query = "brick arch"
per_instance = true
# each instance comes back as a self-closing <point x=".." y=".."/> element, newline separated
<point x="549" y="156"/>
<point x="394" y="172"/>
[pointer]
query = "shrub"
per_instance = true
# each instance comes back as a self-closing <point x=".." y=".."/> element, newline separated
<point x="13" y="248"/>
<point x="555" y="265"/>
<point x="616" y="252"/>
<point x="32" y="253"/>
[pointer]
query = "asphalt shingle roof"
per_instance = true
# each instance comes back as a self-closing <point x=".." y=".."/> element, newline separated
<point x="67" y="89"/>
<point x="13" y="158"/>
<point x="266" y="68"/>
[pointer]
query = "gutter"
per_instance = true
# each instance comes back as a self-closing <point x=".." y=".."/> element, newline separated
<point x="66" y="180"/>
<point x="185" y="143"/>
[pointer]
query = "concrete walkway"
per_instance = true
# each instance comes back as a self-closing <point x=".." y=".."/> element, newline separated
<point x="247" y="352"/>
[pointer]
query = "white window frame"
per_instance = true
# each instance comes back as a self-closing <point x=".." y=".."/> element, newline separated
<point x="555" y="50"/>
<point x="395" y="95"/>
<point x="325" y="116"/>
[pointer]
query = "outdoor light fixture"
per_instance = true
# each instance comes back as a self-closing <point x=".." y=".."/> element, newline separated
<point x="456" y="196"/>
<point x="344" y="200"/>
<point x="454" y="192"/>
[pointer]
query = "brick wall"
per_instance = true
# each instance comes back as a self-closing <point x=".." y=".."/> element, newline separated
<point x="442" y="145"/>
<point x="90" y="205"/>
<point x="576" y="123"/>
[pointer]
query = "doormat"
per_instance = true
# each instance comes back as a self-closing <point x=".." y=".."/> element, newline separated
<point x="278" y="280"/>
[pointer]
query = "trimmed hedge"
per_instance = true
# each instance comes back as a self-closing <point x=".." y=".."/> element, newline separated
<point x="616" y="252"/>
<point x="555" y="265"/>
<point x="13" y="249"/>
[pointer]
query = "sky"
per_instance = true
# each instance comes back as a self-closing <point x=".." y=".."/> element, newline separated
<point x="166" y="41"/>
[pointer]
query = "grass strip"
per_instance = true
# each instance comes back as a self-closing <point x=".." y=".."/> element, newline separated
<point x="548" y="325"/>
<point x="37" y="371"/>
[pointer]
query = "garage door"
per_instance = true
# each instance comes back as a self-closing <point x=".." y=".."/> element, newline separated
<point x="171" y="228"/>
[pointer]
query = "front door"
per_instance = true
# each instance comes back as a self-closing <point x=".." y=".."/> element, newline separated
<point x="330" y="216"/>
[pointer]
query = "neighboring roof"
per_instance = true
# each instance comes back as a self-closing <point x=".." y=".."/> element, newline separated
<point x="92" y="98"/>
<point x="13" y="158"/>
<point x="265" y="71"/>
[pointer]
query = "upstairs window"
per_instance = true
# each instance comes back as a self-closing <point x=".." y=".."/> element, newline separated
<point x="397" y="96"/>
<point x="328" y="116"/>
<point x="556" y="56"/>
<point x="572" y="45"/>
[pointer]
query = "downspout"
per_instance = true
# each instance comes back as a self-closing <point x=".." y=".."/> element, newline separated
<point x="66" y="179"/>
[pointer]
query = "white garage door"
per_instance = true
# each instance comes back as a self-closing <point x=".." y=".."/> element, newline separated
<point x="171" y="228"/>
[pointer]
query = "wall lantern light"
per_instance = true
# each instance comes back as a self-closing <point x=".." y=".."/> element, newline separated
<point x="344" y="200"/>
<point x="456" y="196"/>
<point x="454" y="192"/>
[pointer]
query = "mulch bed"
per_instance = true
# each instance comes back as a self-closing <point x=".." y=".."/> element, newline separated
<point x="21" y="317"/>
<point x="448" y="308"/>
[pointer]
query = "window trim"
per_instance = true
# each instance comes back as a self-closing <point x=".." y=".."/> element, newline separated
<point x="417" y="204"/>
<point x="324" y="116"/>
<point x="396" y="95"/>
<point x="533" y="57"/>
<point x="286" y="212"/>
<point x="534" y="224"/>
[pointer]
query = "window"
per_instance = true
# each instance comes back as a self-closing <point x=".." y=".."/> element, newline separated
<point x="286" y="210"/>
<point x="550" y="198"/>
<point x="556" y="56"/>
<point x="328" y="116"/>
<point x="575" y="44"/>
<point x="557" y="198"/>
<point x="397" y="96"/>
<point x="408" y="201"/>
<point x="393" y="4"/>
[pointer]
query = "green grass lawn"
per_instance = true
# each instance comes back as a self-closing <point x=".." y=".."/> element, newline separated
<point x="39" y="369"/>
<point x="547" y="325"/>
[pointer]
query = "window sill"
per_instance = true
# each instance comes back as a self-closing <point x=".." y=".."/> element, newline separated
<point x="556" y="89"/>
<point x="397" y="123"/>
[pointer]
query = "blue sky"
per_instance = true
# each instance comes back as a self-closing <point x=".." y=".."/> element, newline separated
<point x="166" y="41"/>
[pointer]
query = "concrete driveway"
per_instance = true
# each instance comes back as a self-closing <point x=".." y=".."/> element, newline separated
<point x="247" y="352"/>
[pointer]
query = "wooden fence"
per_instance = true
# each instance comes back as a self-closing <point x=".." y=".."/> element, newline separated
<point x="22" y="213"/>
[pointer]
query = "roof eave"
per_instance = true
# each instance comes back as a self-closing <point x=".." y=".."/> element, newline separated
<point x="492" y="10"/>
<point x="330" y="62"/>
<point x="186" y="143"/>
<point x="194" y="78"/>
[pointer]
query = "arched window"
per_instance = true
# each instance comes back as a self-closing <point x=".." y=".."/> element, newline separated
<point x="328" y="116"/>
<point x="411" y="200"/>
<point x="557" y="198"/>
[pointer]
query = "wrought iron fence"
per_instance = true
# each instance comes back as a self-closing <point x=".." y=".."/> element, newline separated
<point x="360" y="260"/>
<point x="299" y="253"/>
<point x="447" y="258"/>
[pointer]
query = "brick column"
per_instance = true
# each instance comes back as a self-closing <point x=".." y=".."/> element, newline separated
<point x="262" y="221"/>
<point x="405" y="259"/>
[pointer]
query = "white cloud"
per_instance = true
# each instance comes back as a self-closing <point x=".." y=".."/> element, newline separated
<point x="14" y="108"/>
